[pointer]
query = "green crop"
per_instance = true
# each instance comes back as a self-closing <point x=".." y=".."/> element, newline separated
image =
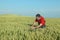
<point x="17" y="28"/>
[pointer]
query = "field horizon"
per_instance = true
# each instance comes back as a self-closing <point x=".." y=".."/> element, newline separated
<point x="24" y="15"/>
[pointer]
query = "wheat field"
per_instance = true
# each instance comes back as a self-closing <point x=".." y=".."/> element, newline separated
<point x="14" y="27"/>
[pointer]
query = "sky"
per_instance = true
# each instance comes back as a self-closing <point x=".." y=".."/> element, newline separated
<point x="47" y="8"/>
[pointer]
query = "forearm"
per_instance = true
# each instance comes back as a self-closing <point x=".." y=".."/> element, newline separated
<point x="39" y="26"/>
<point x="33" y="24"/>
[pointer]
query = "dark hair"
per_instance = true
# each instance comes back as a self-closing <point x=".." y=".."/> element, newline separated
<point x="38" y="15"/>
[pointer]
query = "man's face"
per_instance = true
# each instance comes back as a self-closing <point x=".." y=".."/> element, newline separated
<point x="38" y="18"/>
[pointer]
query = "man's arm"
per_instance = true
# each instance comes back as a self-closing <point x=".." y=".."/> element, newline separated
<point x="33" y="26"/>
<point x="39" y="25"/>
<point x="34" y="23"/>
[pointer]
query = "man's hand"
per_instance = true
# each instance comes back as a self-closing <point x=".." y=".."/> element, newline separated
<point x="33" y="27"/>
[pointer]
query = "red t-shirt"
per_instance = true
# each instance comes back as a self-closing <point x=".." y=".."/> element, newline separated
<point x="41" y="21"/>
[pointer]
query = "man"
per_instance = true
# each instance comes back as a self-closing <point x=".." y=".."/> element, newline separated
<point x="40" y="20"/>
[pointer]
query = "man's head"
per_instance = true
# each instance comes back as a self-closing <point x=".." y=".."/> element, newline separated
<point x="38" y="16"/>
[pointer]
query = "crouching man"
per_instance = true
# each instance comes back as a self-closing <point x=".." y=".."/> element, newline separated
<point x="40" y="20"/>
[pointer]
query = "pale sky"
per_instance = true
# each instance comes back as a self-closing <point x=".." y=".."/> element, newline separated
<point x="47" y="8"/>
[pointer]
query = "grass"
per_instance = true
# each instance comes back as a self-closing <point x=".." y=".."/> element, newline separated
<point x="14" y="27"/>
